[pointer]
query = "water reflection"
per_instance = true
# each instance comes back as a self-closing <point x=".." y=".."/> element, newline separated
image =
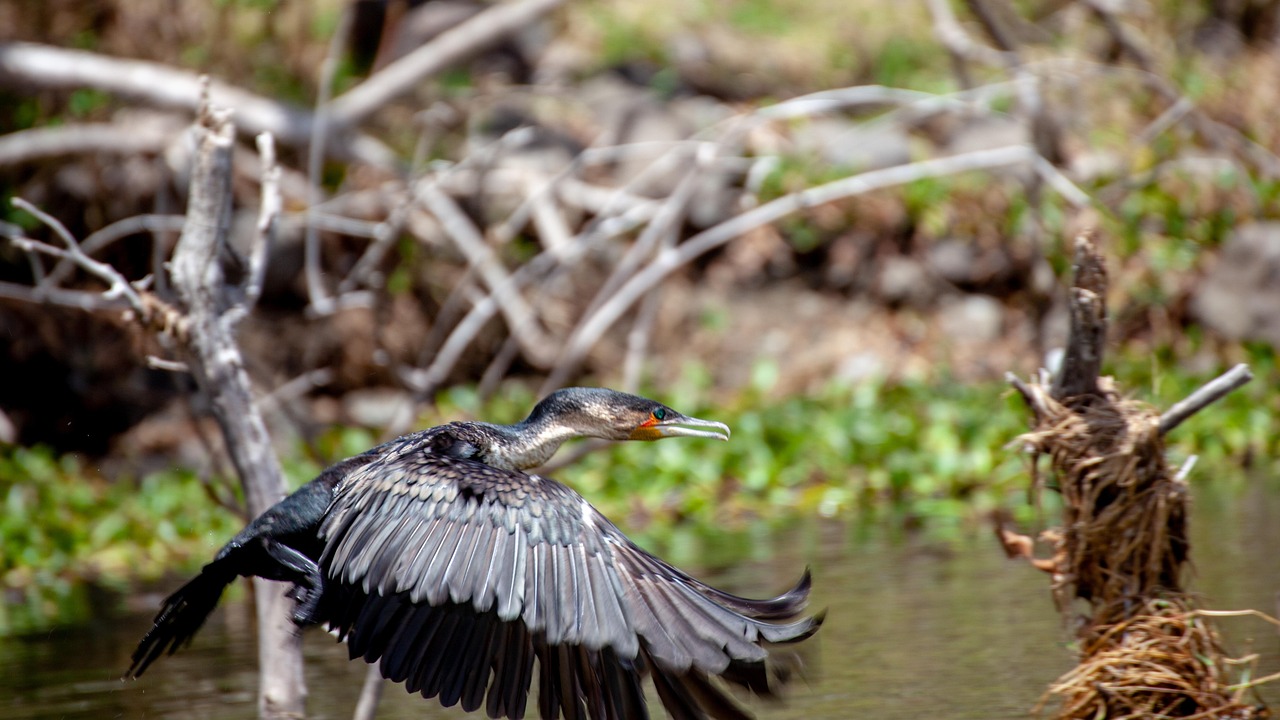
<point x="917" y="627"/>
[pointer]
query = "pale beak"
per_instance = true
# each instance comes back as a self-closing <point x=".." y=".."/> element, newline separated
<point x="677" y="425"/>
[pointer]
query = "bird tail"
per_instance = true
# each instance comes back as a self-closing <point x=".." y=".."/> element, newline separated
<point x="182" y="615"/>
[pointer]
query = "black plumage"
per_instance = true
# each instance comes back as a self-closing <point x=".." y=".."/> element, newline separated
<point x="436" y="556"/>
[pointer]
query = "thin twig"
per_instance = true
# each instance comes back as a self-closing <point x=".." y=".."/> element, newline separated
<point x="949" y="32"/>
<point x="160" y="363"/>
<point x="1221" y="137"/>
<point x="1209" y="393"/>
<point x="1185" y="470"/>
<point x="667" y="262"/>
<point x="317" y="296"/>
<point x="449" y="48"/>
<point x="497" y="368"/>
<point x="295" y="388"/>
<point x="137" y="136"/>
<point x="100" y="239"/>
<point x="370" y="694"/>
<point x="662" y="229"/>
<point x="118" y="286"/>
<point x="268" y="218"/>
<point x="365" y="271"/>
<point x="522" y="322"/>
<point x="44" y="66"/>
<point x="77" y="299"/>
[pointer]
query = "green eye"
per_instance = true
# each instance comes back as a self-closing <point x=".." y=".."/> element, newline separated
<point x="659" y="414"/>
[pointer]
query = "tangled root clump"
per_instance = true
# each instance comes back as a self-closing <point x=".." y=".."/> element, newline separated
<point x="1163" y="662"/>
<point x="1124" y="532"/>
<point x="1145" y="651"/>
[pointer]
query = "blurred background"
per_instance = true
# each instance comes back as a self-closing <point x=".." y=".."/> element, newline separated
<point x="832" y="225"/>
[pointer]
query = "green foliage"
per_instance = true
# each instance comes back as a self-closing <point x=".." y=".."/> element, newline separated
<point x="845" y="449"/>
<point x="761" y="17"/>
<point x="86" y="102"/>
<point x="917" y="452"/>
<point x="59" y="526"/>
<point x="912" y="62"/>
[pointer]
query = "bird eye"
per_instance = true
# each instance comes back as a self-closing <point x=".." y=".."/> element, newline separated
<point x="659" y="414"/>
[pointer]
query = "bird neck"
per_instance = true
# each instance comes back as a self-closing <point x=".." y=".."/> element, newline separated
<point x="527" y="444"/>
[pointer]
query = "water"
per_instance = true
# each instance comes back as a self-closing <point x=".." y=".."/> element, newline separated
<point x="918" y="626"/>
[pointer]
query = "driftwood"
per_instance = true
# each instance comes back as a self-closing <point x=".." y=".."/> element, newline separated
<point x="1145" y="649"/>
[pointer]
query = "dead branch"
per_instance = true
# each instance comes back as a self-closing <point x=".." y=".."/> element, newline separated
<point x="76" y="299"/>
<point x="268" y="219"/>
<point x="103" y="237"/>
<point x="318" y="296"/>
<point x="590" y="330"/>
<point x="1219" y="136"/>
<point x="42" y="66"/>
<point x="218" y="369"/>
<point x="1208" y="394"/>
<point x="962" y="48"/>
<point x="370" y="694"/>
<point x="117" y="285"/>
<point x="135" y="137"/>
<point x="521" y="319"/>
<point x="662" y="230"/>
<point x="449" y="48"/>
<point x="1088" y="334"/>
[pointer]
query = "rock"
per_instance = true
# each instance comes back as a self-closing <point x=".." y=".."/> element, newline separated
<point x="902" y="280"/>
<point x="988" y="132"/>
<point x="1240" y="296"/>
<point x="972" y="318"/>
<point x="952" y="260"/>
<point x="858" y="146"/>
<point x="965" y="264"/>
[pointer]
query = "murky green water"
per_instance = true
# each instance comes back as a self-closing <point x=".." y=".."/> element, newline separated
<point x="918" y="627"/>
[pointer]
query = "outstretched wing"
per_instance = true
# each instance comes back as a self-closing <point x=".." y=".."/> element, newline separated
<point x="454" y="573"/>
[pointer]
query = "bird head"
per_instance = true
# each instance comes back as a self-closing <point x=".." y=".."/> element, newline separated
<point x="613" y="415"/>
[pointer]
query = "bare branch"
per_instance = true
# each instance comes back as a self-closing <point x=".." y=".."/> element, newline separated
<point x="160" y="363"/>
<point x="139" y="136"/>
<point x="1185" y="470"/>
<point x="1087" y="336"/>
<point x="521" y="320"/>
<point x="32" y="64"/>
<point x="268" y="218"/>
<point x="370" y="694"/>
<point x="117" y="285"/>
<point x="672" y="259"/>
<point x="295" y="388"/>
<point x="948" y="31"/>
<point x="365" y="271"/>
<point x="321" y="303"/>
<point x="446" y="50"/>
<point x="78" y="299"/>
<point x="1209" y="393"/>
<point x="662" y="228"/>
<point x="1218" y="135"/>
<point x="218" y="369"/>
<point x="102" y="238"/>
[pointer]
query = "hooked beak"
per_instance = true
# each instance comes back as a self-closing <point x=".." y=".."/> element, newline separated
<point x="677" y="425"/>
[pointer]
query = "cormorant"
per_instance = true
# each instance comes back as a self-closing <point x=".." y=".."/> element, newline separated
<point x="436" y="556"/>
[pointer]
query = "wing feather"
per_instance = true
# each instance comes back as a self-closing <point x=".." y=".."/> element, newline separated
<point x="457" y="576"/>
